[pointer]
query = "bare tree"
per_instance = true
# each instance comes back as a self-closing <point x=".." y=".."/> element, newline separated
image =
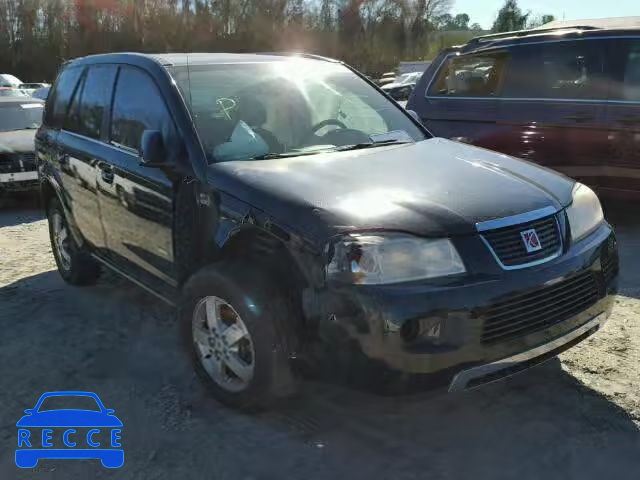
<point x="37" y="35"/>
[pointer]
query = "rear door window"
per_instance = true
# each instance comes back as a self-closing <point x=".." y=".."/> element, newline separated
<point x="92" y="98"/>
<point x="95" y="99"/>
<point x="58" y="103"/>
<point x="471" y="76"/>
<point x="557" y="70"/>
<point x="626" y="84"/>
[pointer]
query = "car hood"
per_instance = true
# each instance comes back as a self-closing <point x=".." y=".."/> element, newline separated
<point x="17" y="141"/>
<point x="436" y="187"/>
<point x="69" y="418"/>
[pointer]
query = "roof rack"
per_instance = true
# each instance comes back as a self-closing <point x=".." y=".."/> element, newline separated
<point x="525" y="33"/>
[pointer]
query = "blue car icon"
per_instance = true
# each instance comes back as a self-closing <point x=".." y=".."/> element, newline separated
<point x="44" y="425"/>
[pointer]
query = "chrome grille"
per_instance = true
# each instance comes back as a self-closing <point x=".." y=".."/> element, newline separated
<point x="509" y="247"/>
<point x="28" y="160"/>
<point x="17" y="162"/>
<point x="539" y="309"/>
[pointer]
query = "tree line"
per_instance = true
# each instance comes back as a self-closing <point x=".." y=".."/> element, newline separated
<point x="36" y="36"/>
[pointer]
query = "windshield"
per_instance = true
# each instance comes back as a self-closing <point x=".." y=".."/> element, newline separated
<point x="17" y="116"/>
<point x="290" y="107"/>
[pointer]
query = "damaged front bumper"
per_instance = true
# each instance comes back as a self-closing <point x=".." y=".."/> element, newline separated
<point x="475" y="329"/>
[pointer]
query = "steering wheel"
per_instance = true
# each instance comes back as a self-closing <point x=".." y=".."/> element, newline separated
<point x="326" y="123"/>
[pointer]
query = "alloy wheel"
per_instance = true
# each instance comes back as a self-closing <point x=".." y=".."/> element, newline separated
<point x="223" y="344"/>
<point x="61" y="240"/>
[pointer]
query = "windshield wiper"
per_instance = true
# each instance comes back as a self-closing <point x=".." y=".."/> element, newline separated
<point x="272" y="155"/>
<point x="357" y="146"/>
<point x="381" y="143"/>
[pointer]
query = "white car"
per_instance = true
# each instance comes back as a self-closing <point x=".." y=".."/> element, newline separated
<point x="8" y="80"/>
<point x="20" y="117"/>
<point x="402" y="86"/>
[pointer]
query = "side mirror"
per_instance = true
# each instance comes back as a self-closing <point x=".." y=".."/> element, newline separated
<point x="152" y="151"/>
<point x="29" y="411"/>
<point x="109" y="411"/>
<point x="415" y="116"/>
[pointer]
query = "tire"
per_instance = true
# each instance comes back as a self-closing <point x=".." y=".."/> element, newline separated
<point x="75" y="266"/>
<point x="239" y="292"/>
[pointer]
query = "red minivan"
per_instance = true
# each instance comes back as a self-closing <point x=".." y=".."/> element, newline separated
<point x="566" y="98"/>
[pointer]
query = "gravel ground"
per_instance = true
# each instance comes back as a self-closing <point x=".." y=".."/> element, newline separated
<point x="577" y="418"/>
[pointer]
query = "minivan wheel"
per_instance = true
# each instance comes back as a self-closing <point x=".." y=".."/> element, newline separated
<point x="232" y="321"/>
<point x="74" y="265"/>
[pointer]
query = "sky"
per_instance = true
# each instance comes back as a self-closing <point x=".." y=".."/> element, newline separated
<point x="484" y="11"/>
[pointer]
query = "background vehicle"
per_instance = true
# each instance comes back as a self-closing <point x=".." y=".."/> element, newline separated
<point x="19" y="120"/>
<point x="13" y="92"/>
<point x="30" y="88"/>
<point x="290" y="209"/>
<point x="402" y="86"/>
<point x="566" y="98"/>
<point x="386" y="78"/>
<point x="8" y="80"/>
<point x="41" y="93"/>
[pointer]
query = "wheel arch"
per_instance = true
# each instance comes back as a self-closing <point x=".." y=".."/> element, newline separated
<point x="250" y="243"/>
<point x="293" y="267"/>
<point x="50" y="190"/>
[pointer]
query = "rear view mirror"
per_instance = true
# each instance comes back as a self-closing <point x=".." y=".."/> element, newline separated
<point x="152" y="151"/>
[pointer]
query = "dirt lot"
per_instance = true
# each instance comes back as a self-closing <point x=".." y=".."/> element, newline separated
<point x="577" y="418"/>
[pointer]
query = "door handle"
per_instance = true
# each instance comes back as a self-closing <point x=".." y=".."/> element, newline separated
<point x="106" y="172"/>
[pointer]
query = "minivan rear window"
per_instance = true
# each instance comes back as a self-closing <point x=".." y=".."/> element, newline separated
<point x="471" y="76"/>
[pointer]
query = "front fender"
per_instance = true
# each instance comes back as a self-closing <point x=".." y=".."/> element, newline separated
<point x="238" y="221"/>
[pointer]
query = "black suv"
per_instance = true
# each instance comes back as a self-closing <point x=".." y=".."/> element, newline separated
<point x="292" y="211"/>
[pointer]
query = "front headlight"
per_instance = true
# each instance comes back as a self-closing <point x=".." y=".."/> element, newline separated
<point x="584" y="213"/>
<point x="371" y="258"/>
